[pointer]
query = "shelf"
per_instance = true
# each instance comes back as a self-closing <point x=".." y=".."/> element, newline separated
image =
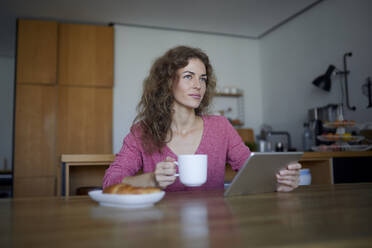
<point x="239" y="119"/>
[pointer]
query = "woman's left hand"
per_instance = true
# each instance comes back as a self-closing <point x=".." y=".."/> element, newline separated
<point x="289" y="178"/>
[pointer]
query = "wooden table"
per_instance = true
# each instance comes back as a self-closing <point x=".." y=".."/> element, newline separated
<point x="312" y="216"/>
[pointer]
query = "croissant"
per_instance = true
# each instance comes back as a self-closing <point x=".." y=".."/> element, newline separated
<point x="124" y="189"/>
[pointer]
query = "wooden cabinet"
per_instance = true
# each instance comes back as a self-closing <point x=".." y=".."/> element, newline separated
<point x="71" y="113"/>
<point x="35" y="109"/>
<point x="85" y="55"/>
<point x="37" y="52"/>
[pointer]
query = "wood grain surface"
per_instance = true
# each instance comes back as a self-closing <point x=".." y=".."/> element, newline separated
<point x="86" y="55"/>
<point x="35" y="130"/>
<point x="311" y="216"/>
<point x="37" y="52"/>
<point x="34" y="142"/>
<point x="328" y="155"/>
<point x="84" y="120"/>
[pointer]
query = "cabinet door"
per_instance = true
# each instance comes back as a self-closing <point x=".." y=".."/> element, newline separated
<point x="84" y="120"/>
<point x="36" y="52"/>
<point x="85" y="55"/>
<point x="35" y="123"/>
<point x="34" y="152"/>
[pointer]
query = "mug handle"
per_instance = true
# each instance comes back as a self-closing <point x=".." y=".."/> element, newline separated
<point x="177" y="174"/>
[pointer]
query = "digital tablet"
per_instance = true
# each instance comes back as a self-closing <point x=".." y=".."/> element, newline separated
<point x="258" y="173"/>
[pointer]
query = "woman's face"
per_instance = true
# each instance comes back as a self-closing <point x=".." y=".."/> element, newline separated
<point x="190" y="85"/>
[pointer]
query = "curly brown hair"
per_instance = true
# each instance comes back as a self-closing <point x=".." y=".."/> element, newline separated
<point x="154" y="111"/>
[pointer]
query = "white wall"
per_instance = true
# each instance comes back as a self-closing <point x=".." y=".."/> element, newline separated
<point x="7" y="35"/>
<point x="235" y="60"/>
<point x="7" y="52"/>
<point x="6" y="110"/>
<point x="293" y="55"/>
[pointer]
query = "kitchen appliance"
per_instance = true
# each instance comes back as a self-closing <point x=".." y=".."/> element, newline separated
<point x="280" y="140"/>
<point x="269" y="140"/>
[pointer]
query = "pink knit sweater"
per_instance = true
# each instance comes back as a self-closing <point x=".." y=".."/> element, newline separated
<point x="220" y="142"/>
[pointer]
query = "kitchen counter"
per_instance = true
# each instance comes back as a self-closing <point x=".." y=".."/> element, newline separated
<point x="88" y="158"/>
<point x="79" y="170"/>
<point x="328" y="155"/>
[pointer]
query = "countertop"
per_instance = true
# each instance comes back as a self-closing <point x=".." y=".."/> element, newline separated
<point x="328" y="155"/>
<point x="88" y="158"/>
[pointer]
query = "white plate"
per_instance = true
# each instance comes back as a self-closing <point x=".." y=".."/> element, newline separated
<point x="126" y="201"/>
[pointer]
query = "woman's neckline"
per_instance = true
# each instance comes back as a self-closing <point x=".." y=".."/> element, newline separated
<point x="200" y="143"/>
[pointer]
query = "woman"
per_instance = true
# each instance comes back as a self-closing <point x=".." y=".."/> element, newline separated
<point x="172" y="120"/>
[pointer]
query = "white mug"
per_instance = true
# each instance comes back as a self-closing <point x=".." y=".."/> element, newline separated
<point x="192" y="169"/>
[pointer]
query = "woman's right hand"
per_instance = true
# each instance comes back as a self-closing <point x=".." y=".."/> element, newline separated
<point x="165" y="172"/>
